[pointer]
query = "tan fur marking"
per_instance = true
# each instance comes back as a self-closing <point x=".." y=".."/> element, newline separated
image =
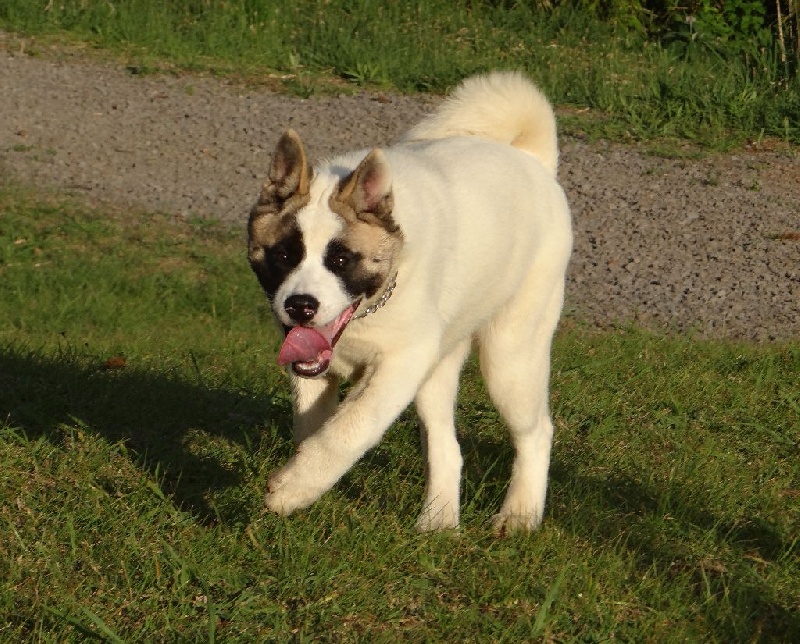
<point x="378" y="247"/>
<point x="285" y="193"/>
<point x="266" y="229"/>
<point x="364" y="200"/>
<point x="366" y="194"/>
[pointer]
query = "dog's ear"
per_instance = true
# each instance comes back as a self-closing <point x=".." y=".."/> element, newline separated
<point x="289" y="173"/>
<point x="368" y="190"/>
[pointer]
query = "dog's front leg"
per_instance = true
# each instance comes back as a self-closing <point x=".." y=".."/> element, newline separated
<point x="315" y="401"/>
<point x="359" y="424"/>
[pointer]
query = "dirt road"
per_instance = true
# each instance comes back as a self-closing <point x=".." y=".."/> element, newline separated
<point x="709" y="245"/>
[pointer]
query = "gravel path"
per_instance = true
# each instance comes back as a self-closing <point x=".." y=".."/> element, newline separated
<point x="711" y="245"/>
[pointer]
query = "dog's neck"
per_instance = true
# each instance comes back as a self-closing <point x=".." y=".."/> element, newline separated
<point x="381" y="301"/>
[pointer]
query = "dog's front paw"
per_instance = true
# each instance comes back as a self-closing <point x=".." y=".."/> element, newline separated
<point x="288" y="490"/>
<point x="505" y="522"/>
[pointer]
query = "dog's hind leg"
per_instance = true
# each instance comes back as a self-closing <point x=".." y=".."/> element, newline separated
<point x="435" y="404"/>
<point x="315" y="401"/>
<point x="515" y="362"/>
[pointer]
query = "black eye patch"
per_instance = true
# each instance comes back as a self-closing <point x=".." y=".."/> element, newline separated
<point x="339" y="258"/>
<point x="348" y="266"/>
<point x="279" y="259"/>
<point x="287" y="253"/>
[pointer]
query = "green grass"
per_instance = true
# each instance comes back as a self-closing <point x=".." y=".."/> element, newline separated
<point x="142" y="410"/>
<point x="613" y="80"/>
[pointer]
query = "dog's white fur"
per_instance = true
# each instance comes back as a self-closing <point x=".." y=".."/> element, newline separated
<point x="486" y="241"/>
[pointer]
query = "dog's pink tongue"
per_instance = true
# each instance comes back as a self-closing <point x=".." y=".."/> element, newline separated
<point x="302" y="345"/>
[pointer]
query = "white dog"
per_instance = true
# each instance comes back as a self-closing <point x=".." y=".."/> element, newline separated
<point x="387" y="266"/>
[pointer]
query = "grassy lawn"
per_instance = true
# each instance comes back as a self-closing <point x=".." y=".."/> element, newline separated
<point x="615" y="74"/>
<point x="141" y="410"/>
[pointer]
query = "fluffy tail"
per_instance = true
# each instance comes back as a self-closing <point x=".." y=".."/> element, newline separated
<point x="500" y="106"/>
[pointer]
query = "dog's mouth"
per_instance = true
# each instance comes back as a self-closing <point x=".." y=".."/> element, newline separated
<point x="309" y="350"/>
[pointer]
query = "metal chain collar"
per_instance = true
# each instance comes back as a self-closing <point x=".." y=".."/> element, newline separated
<point x="381" y="301"/>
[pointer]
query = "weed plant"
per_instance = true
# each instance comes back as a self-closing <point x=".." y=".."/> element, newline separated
<point x="622" y="70"/>
<point x="141" y="410"/>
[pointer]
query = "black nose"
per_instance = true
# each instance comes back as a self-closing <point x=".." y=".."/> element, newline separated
<point x="301" y="308"/>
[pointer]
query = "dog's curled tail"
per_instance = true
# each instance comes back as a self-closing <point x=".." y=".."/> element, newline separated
<point x="500" y="106"/>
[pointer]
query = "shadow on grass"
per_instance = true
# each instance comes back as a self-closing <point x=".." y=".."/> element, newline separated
<point x="674" y="534"/>
<point x="149" y="411"/>
<point x="616" y="511"/>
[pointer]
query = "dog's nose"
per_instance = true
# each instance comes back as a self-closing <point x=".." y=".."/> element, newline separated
<point x="301" y="308"/>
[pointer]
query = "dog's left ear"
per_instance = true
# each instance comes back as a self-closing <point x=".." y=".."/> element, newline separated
<point x="368" y="190"/>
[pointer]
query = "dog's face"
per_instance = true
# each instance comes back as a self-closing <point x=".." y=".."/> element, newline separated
<point x="321" y="247"/>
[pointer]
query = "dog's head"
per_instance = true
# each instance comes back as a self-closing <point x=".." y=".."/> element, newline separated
<point x="323" y="245"/>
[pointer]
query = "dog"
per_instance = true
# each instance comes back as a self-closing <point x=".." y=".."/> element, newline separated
<point x="386" y="266"/>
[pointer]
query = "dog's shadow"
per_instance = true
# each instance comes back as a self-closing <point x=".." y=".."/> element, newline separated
<point x="151" y="412"/>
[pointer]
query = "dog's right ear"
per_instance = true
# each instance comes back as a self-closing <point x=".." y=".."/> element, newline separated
<point x="289" y="173"/>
